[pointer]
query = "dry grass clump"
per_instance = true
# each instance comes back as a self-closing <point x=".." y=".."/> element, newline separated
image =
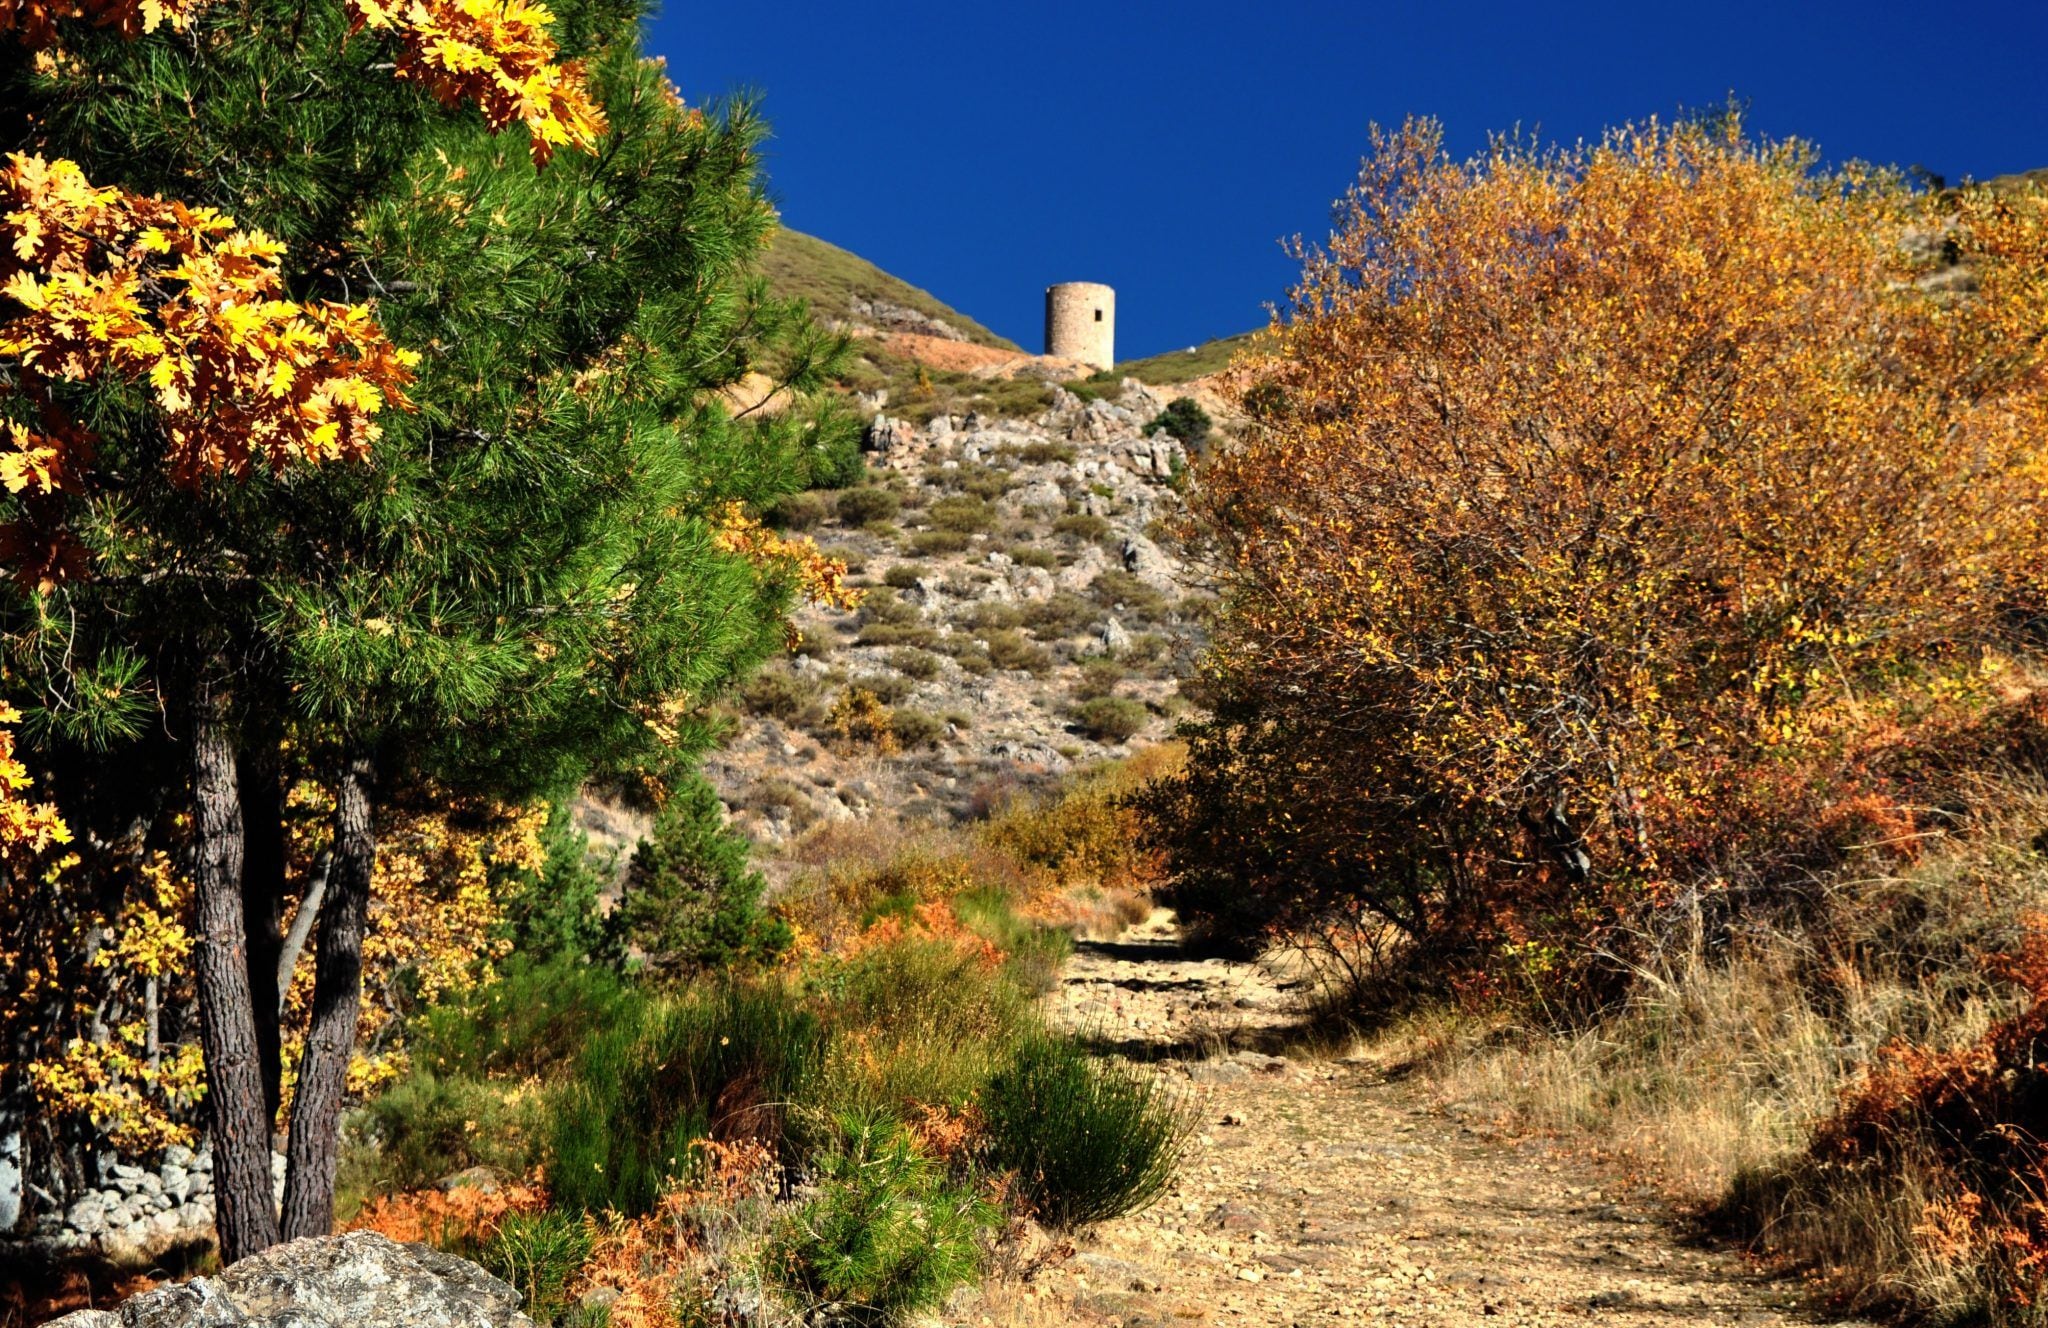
<point x="1846" y="1086"/>
<point x="1071" y="859"/>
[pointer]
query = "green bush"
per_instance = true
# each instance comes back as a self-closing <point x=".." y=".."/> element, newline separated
<point x="867" y="504"/>
<point x="902" y="576"/>
<point x="1083" y="526"/>
<point x="1064" y="614"/>
<point x="799" y="511"/>
<point x="962" y="513"/>
<point x="920" y="635"/>
<point x="1010" y="650"/>
<point x="1099" y="677"/>
<point x="817" y="643"/>
<point x="916" y="728"/>
<point x="539" y="1254"/>
<point x="1123" y="591"/>
<point x="1032" y="555"/>
<point x="728" y="1060"/>
<point x="1087" y="1140"/>
<point x="887" y="1238"/>
<point x="931" y="543"/>
<point x="1110" y="718"/>
<point x="1040" y="453"/>
<point x="426" y="1126"/>
<point x="1185" y="419"/>
<point x="691" y="901"/>
<point x="781" y="693"/>
<point x="994" y="616"/>
<point x="911" y="662"/>
<point x="888" y="688"/>
<point x="525" y="1024"/>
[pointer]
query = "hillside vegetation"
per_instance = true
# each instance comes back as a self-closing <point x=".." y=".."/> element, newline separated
<point x="800" y="266"/>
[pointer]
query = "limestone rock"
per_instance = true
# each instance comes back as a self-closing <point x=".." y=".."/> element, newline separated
<point x="360" y="1280"/>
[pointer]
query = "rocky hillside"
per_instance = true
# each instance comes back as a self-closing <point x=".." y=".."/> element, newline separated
<point x="1023" y="615"/>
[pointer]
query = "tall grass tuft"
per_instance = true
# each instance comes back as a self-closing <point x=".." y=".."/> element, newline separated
<point x="1087" y="1140"/>
<point x="726" y="1062"/>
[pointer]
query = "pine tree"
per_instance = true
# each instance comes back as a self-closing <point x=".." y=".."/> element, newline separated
<point x="542" y="571"/>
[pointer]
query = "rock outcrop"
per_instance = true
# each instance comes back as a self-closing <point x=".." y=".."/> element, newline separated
<point x="361" y="1280"/>
<point x="1017" y="566"/>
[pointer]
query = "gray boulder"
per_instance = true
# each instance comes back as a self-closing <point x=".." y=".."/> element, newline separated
<point x="361" y="1280"/>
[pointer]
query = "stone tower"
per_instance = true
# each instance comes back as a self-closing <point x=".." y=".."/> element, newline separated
<point x="1080" y="323"/>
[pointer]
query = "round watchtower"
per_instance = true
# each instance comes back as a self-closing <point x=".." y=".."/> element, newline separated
<point x="1080" y="323"/>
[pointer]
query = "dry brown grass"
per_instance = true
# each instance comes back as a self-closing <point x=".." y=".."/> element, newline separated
<point x="1714" y="1074"/>
<point x="1070" y="859"/>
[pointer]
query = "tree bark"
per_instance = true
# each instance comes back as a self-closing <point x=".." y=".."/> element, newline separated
<point x="263" y="878"/>
<point x="244" y="1211"/>
<point x="302" y="926"/>
<point x="314" y="1150"/>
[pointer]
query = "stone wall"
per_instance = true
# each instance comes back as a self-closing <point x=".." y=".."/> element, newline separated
<point x="137" y="1213"/>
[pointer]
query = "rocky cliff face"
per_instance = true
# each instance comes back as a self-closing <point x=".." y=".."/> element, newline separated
<point x="361" y="1280"/>
<point x="1025" y="613"/>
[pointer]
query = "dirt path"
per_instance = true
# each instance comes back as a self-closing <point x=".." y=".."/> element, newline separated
<point x="1321" y="1192"/>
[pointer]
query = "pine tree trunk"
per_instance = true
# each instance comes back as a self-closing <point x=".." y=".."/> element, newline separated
<point x="314" y="1150"/>
<point x="263" y="878"/>
<point x="244" y="1211"/>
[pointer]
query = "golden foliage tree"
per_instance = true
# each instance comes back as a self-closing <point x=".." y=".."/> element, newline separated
<point x="1602" y="504"/>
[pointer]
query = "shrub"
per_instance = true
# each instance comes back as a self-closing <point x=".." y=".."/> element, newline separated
<point x="932" y="543"/>
<point x="1062" y="615"/>
<point x="902" y="576"/>
<point x="923" y="1015"/>
<point x="1009" y="650"/>
<point x="1128" y="594"/>
<point x="861" y="720"/>
<point x="1030" y="555"/>
<point x="1110" y="718"/>
<point x="1085" y="527"/>
<point x="887" y="1238"/>
<point x="691" y="900"/>
<point x="920" y="635"/>
<point x="868" y="504"/>
<point x="1099" y="677"/>
<point x="922" y="665"/>
<point x="876" y="607"/>
<point x="995" y="616"/>
<point x="799" y="511"/>
<point x="1090" y="831"/>
<point x="723" y="1063"/>
<point x="961" y="513"/>
<point x="781" y="693"/>
<point x="1184" y="419"/>
<point x="1087" y="1140"/>
<point x="426" y="1127"/>
<point x="915" y="729"/>
<point x="888" y="688"/>
<point x="1042" y="452"/>
<point x="1508" y="690"/>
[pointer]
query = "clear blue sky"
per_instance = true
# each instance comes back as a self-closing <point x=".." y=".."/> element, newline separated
<point x="983" y="151"/>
